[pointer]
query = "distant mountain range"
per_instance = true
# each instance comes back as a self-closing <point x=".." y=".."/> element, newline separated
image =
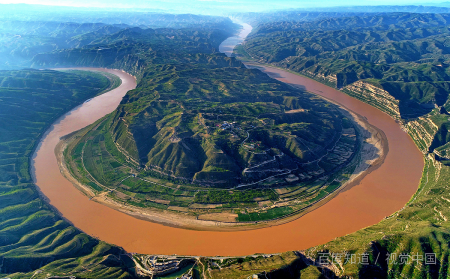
<point x="405" y="54"/>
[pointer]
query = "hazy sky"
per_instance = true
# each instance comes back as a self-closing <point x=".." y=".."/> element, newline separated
<point x="287" y="3"/>
<point x="248" y="5"/>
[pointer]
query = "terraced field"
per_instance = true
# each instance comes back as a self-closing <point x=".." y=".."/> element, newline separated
<point x="109" y="156"/>
<point x="397" y="246"/>
<point x="31" y="233"/>
<point x="236" y="146"/>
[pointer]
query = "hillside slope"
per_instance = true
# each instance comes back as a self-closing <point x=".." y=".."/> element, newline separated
<point x="32" y="235"/>
<point x="413" y="242"/>
<point x="204" y="136"/>
<point x="403" y="54"/>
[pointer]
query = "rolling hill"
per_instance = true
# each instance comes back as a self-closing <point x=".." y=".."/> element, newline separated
<point x="201" y="132"/>
<point x="31" y="233"/>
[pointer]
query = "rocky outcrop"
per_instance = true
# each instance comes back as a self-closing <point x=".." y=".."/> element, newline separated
<point x="374" y="96"/>
<point x="422" y="131"/>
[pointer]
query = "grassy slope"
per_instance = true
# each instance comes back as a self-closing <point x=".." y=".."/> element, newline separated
<point x="31" y="234"/>
<point x="168" y="128"/>
<point x="24" y="35"/>
<point x="420" y="227"/>
<point x="158" y="125"/>
<point x="404" y="54"/>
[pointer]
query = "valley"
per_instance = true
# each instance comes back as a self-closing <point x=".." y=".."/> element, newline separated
<point x="225" y="155"/>
<point x="171" y="239"/>
<point x="319" y="139"/>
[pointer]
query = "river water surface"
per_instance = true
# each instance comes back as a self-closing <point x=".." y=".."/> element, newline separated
<point x="379" y="194"/>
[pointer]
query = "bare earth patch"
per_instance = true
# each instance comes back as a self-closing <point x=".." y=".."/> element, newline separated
<point x="202" y="206"/>
<point x="159" y="201"/>
<point x="264" y="203"/>
<point x="281" y="191"/>
<point x="374" y="150"/>
<point x="221" y="217"/>
<point x="178" y="208"/>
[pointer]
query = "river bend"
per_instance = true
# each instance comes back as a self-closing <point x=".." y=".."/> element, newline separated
<point x="381" y="193"/>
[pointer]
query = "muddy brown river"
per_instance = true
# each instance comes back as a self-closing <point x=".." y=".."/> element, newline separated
<point x="381" y="193"/>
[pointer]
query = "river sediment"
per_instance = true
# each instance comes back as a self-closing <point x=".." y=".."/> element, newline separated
<point x="384" y="190"/>
<point x="373" y="151"/>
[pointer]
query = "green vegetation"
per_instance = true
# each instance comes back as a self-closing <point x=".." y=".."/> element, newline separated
<point x="24" y="117"/>
<point x="134" y="49"/>
<point x="203" y="134"/>
<point x="215" y="196"/>
<point x="270" y="214"/>
<point x="23" y="36"/>
<point x="402" y="54"/>
<point x="285" y="265"/>
<point x="163" y="149"/>
<point x="31" y="233"/>
<point x="420" y="227"/>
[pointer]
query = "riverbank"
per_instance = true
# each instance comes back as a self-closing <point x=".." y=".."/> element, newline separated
<point x="383" y="191"/>
<point x="374" y="147"/>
